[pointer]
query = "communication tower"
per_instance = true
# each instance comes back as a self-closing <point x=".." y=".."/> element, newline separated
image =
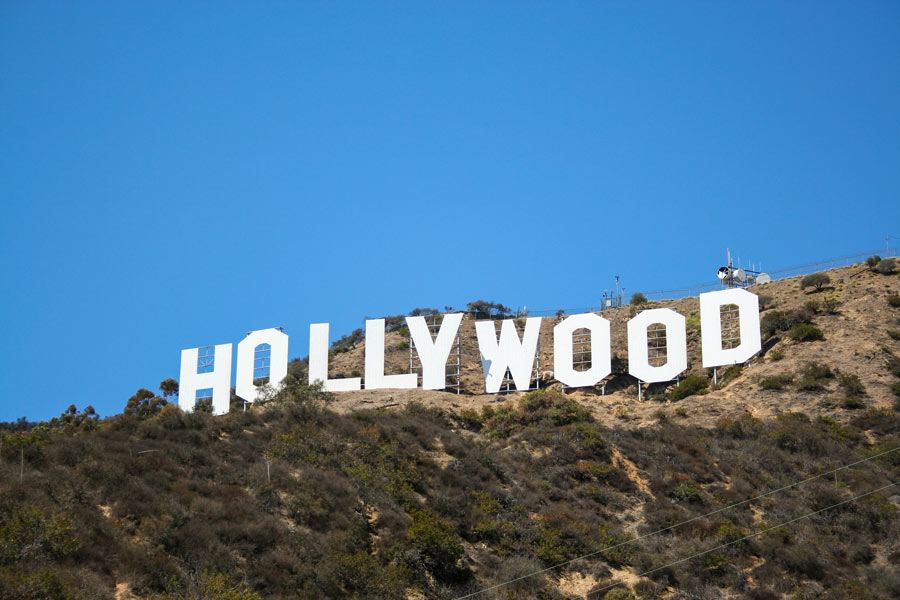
<point x="614" y="298"/>
<point x="740" y="277"/>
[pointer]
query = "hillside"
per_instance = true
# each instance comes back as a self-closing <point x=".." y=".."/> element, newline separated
<point x="855" y="341"/>
<point x="439" y="495"/>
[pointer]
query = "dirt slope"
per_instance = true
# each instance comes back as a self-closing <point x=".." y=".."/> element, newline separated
<point x="856" y="342"/>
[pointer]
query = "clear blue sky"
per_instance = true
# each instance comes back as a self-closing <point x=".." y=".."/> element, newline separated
<point x="173" y="175"/>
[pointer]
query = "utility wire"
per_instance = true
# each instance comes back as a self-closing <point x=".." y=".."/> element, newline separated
<point x="746" y="537"/>
<point x="670" y="527"/>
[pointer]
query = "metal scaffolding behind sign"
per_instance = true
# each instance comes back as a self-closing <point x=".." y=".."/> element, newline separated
<point x="509" y="385"/>
<point x="731" y="326"/>
<point x="581" y="349"/>
<point x="729" y="317"/>
<point x="657" y="352"/>
<point x="581" y="352"/>
<point x="453" y="368"/>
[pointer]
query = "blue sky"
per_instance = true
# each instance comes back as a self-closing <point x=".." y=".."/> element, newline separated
<point x="173" y="175"/>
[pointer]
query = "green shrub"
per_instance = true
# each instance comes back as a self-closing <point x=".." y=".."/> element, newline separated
<point x="893" y="366"/>
<point x="689" y="493"/>
<point x="872" y="261"/>
<point x="638" y="299"/>
<point x="204" y="405"/>
<point x="893" y="334"/>
<point x="879" y="421"/>
<point x="213" y="586"/>
<point x="619" y="593"/>
<point x="782" y="320"/>
<point x="716" y="561"/>
<point x="815" y="280"/>
<point x="560" y="538"/>
<point x="169" y="387"/>
<point x="776" y="382"/>
<point x="540" y="407"/>
<point x="470" y="419"/>
<point x="71" y="420"/>
<point x="145" y="404"/>
<point x="805" y="332"/>
<point x="766" y="301"/>
<point x="360" y="575"/>
<point x="25" y="444"/>
<point x="816" y="370"/>
<point x="773" y="322"/>
<point x="776" y="354"/>
<point x="886" y="266"/>
<point x="25" y="532"/>
<point x="830" y="304"/>
<point x="804" y="560"/>
<point x="42" y="584"/>
<point x="436" y="539"/>
<point x="690" y="386"/>
<point x="728" y="532"/>
<point x="482" y="309"/>
<point x="796" y="432"/>
<point x="813" y="376"/>
<point x="852" y="402"/>
<point x="851" y="385"/>
<point x="693" y="320"/>
<point x="302" y="401"/>
<point x="349" y="341"/>
<point x="729" y="373"/>
<point x="895" y="389"/>
<point x="494" y="531"/>
<point x="894" y="300"/>
<point x="744" y="427"/>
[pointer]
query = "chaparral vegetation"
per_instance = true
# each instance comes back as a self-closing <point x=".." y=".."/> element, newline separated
<point x="438" y="495"/>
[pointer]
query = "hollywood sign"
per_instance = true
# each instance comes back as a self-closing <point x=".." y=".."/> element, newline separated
<point x="212" y="369"/>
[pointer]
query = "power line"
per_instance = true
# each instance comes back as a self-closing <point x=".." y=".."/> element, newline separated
<point x="664" y="529"/>
<point x="746" y="537"/>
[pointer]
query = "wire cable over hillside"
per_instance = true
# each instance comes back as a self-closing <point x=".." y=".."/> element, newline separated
<point x="691" y="520"/>
<point x="746" y="537"/>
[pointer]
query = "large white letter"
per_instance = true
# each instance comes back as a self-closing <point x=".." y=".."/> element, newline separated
<point x="246" y="361"/>
<point x="375" y="377"/>
<point x="216" y="364"/>
<point x="517" y="356"/>
<point x="711" y="327"/>
<point x="676" y="345"/>
<point x="433" y="354"/>
<point x="563" y="370"/>
<point x="318" y="362"/>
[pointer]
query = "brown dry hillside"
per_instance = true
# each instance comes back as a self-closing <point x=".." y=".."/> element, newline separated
<point x="552" y="496"/>
<point x="855" y="342"/>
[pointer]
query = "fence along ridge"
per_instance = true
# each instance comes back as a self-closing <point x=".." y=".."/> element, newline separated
<point x="787" y="272"/>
